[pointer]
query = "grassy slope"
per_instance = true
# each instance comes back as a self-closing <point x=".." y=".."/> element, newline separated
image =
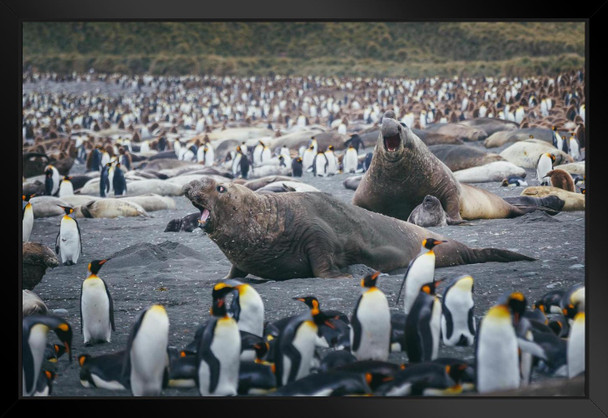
<point x="342" y="48"/>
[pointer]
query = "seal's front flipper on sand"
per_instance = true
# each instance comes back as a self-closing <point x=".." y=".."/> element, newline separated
<point x="235" y="272"/>
<point x="550" y="204"/>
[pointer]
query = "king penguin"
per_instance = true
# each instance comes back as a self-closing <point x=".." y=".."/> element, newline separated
<point x="146" y="359"/>
<point x="119" y="184"/>
<point x="51" y="180"/>
<point x="496" y="352"/>
<point x="68" y="243"/>
<point x="457" y="312"/>
<point x="423" y="325"/>
<point x="247" y="307"/>
<point x="218" y="353"/>
<point x="66" y="188"/>
<point x="371" y="322"/>
<point x="420" y="270"/>
<point x="350" y="160"/>
<point x="574" y="148"/>
<point x="34" y="342"/>
<point x="308" y="158"/>
<point x="332" y="161"/>
<point x="296" y="343"/>
<point x="543" y="166"/>
<point x="576" y="346"/>
<point x="320" y="164"/>
<point x="103" y="371"/>
<point x="296" y="167"/>
<point x="27" y="217"/>
<point x="104" y="180"/>
<point x="258" y="154"/>
<point x="96" y="307"/>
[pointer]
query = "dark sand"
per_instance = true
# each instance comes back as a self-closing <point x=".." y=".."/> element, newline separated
<point x="178" y="270"/>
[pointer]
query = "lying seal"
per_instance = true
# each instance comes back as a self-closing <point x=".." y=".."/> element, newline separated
<point x="112" y="208"/>
<point x="186" y="224"/>
<point x="313" y="234"/>
<point x="430" y="213"/>
<point x="352" y="182"/>
<point x="495" y="171"/>
<point x="403" y="171"/>
<point x="460" y="157"/>
<point x="572" y="201"/>
<point x="526" y="153"/>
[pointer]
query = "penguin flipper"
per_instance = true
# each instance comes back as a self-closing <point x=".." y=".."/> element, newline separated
<point x="205" y="354"/>
<point x="111" y="305"/>
<point x="409" y="266"/>
<point x="356" y="326"/>
<point x="296" y="358"/>
<point x="57" y="248"/>
<point x="127" y="359"/>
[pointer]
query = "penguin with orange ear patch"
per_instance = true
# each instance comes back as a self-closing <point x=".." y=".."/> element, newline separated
<point x="423" y="325"/>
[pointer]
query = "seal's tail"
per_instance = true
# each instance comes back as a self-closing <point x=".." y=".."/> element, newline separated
<point x="468" y="255"/>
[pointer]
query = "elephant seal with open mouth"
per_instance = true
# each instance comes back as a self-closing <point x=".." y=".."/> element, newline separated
<point x="313" y="234"/>
<point x="403" y="171"/>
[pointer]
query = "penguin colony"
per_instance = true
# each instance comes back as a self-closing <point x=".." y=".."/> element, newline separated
<point x="316" y="351"/>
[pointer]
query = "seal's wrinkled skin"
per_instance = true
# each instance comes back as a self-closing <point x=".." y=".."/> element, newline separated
<point x="403" y="171"/>
<point x="312" y="234"/>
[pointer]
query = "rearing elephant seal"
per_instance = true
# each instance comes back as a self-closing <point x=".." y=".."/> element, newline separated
<point x="403" y="171"/>
<point x="313" y="234"/>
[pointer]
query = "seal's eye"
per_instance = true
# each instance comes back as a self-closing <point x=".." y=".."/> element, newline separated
<point x="221" y="189"/>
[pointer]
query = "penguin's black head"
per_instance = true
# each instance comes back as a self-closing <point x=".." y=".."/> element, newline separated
<point x="67" y="209"/>
<point x="219" y="293"/>
<point x="370" y="280"/>
<point x="221" y="290"/>
<point x="311" y="301"/>
<point x="27" y="197"/>
<point x="261" y="349"/>
<point x="95" y="265"/>
<point x="431" y="287"/>
<point x="430" y="243"/>
<point x="516" y="302"/>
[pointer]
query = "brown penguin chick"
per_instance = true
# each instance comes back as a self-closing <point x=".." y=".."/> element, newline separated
<point x="561" y="179"/>
<point x="37" y="258"/>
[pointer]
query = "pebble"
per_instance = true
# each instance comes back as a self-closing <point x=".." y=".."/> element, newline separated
<point x="577" y="266"/>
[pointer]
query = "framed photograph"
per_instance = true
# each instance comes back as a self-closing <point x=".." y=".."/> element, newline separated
<point x="346" y="207"/>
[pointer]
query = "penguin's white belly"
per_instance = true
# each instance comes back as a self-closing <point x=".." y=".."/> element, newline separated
<point x="149" y="356"/>
<point x="251" y="318"/>
<point x="95" y="307"/>
<point x="100" y="383"/>
<point x="66" y="189"/>
<point x="28" y="223"/>
<point x="69" y="241"/>
<point x="421" y="272"/>
<point x="497" y="359"/>
<point x="304" y="341"/>
<point x="576" y="348"/>
<point x="436" y="327"/>
<point x="226" y="347"/>
<point x="374" y="315"/>
<point x="37" y="342"/>
<point x="350" y="162"/>
<point x="459" y="305"/>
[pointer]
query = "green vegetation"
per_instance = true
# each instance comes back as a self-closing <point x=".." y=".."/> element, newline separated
<point x="387" y="49"/>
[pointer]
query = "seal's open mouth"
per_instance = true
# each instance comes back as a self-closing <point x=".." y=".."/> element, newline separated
<point x="391" y="143"/>
<point x="204" y="219"/>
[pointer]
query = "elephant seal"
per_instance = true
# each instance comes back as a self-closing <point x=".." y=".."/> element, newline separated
<point x="458" y="130"/>
<point x="577" y="168"/>
<point x="572" y="201"/>
<point x="287" y="186"/>
<point x="494" y="171"/>
<point x="490" y="125"/>
<point x="281" y="236"/>
<point x="36" y="259"/>
<point x="187" y="224"/>
<point x="33" y="304"/>
<point x="431" y="213"/>
<point x="264" y="181"/>
<point x="112" y="208"/>
<point x="352" y="182"/>
<point x="526" y="153"/>
<point x="460" y="157"/>
<point x="403" y="171"/>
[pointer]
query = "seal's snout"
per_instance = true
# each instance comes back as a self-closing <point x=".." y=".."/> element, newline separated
<point x="391" y="130"/>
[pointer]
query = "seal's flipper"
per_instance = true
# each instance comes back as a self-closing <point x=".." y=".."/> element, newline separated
<point x="235" y="273"/>
<point x="551" y="204"/>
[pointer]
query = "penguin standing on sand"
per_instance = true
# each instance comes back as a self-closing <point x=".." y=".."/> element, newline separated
<point x="423" y="325"/>
<point x="350" y="160"/>
<point x="457" y="313"/>
<point x="244" y="166"/>
<point x="258" y="154"/>
<point x="66" y="188"/>
<point x="96" y="307"/>
<point x="257" y="377"/>
<point x="218" y="353"/>
<point x="247" y="307"/>
<point x="104" y="180"/>
<point x="235" y="164"/>
<point x="496" y="352"/>
<point x="296" y="167"/>
<point x="543" y="166"/>
<point x="68" y="244"/>
<point x="27" y="217"/>
<point x="295" y="346"/>
<point x="574" y="148"/>
<point x="146" y="358"/>
<point x="332" y="160"/>
<point x="51" y="180"/>
<point x="34" y="342"/>
<point x="308" y="158"/>
<point x="118" y="181"/>
<point x="371" y="322"/>
<point x="320" y="164"/>
<point x="420" y="270"/>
